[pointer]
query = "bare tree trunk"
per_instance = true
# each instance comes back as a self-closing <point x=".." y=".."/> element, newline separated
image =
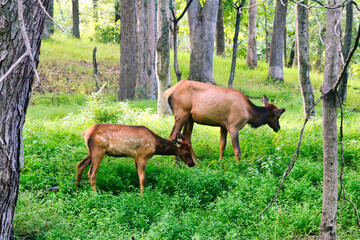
<point x="220" y="35"/>
<point x="285" y="46"/>
<point x="48" y="24"/>
<point x="128" y="49"/>
<point x="330" y="143"/>
<point x="14" y="99"/>
<point x="235" y="44"/>
<point x="142" y="29"/>
<point x="276" y="68"/>
<point x="320" y="50"/>
<point x="202" y="24"/>
<point x="346" y="50"/>
<point x="267" y="45"/>
<point x="291" y="57"/>
<point x="163" y="56"/>
<point x="251" y="54"/>
<point x="76" y="21"/>
<point x="151" y="73"/>
<point x="301" y="31"/>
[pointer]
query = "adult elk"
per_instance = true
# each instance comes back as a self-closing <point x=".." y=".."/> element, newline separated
<point x="212" y="105"/>
<point x="137" y="142"/>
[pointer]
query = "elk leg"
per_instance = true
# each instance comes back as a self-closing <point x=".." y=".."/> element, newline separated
<point x="140" y="167"/>
<point x="97" y="157"/>
<point x="188" y="128"/>
<point x="223" y="134"/>
<point x="234" y="134"/>
<point x="80" y="167"/>
<point x="179" y="123"/>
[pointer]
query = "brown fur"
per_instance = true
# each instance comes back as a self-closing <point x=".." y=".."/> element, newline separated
<point x="224" y="107"/>
<point x="137" y="142"/>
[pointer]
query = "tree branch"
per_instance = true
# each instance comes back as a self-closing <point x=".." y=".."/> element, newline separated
<point x="47" y="14"/>
<point x="13" y="66"/>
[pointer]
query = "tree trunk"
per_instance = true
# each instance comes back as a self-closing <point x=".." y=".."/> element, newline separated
<point x="151" y="85"/>
<point x="142" y="24"/>
<point x="128" y="50"/>
<point x="320" y="50"/>
<point x="176" y="63"/>
<point x="291" y="57"/>
<point x="76" y="21"/>
<point x="202" y="25"/>
<point x="301" y="31"/>
<point x="14" y="100"/>
<point x="163" y="56"/>
<point x="96" y="15"/>
<point x="330" y="147"/>
<point x="346" y="50"/>
<point x="48" y="24"/>
<point x="251" y="54"/>
<point x="267" y="47"/>
<point x="220" y="35"/>
<point x="235" y="45"/>
<point x="276" y="70"/>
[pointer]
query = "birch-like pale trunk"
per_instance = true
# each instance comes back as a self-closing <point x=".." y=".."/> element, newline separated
<point x="301" y="31"/>
<point x="163" y="56"/>
<point x="330" y="137"/>
<point x="251" y="53"/>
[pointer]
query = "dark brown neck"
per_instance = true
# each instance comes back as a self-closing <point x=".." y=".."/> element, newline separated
<point x="258" y="116"/>
<point x="165" y="147"/>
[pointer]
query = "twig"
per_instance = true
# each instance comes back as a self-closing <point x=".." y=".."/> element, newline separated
<point x="13" y="66"/>
<point x="47" y="14"/>
<point x="26" y="39"/>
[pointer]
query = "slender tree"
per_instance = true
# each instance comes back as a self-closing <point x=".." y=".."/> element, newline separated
<point x="276" y="71"/>
<point x="151" y="86"/>
<point x="301" y="31"/>
<point x="330" y="137"/>
<point x="346" y="49"/>
<point x="202" y="25"/>
<point x="238" y="7"/>
<point x="76" y="20"/>
<point x="163" y="55"/>
<point x="15" y="92"/>
<point x="220" y="35"/>
<point x="48" y="24"/>
<point x="128" y="50"/>
<point x="175" y="20"/>
<point x="251" y="53"/>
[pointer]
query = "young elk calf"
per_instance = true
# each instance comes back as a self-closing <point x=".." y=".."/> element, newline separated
<point x="137" y="142"/>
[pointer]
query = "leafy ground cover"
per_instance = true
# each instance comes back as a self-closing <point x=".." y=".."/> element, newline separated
<point x="215" y="200"/>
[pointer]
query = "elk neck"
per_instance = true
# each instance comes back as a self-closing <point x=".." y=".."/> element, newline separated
<point x="165" y="147"/>
<point x="258" y="115"/>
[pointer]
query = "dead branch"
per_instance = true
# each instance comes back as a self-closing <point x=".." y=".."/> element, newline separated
<point x="47" y="14"/>
<point x="13" y="66"/>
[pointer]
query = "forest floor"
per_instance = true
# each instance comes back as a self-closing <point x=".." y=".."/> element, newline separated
<point x="215" y="200"/>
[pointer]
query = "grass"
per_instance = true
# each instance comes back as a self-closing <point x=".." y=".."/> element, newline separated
<point x="215" y="200"/>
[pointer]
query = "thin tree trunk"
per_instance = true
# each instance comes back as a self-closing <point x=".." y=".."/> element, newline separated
<point x="346" y="50"/>
<point x="251" y="54"/>
<point x="267" y="45"/>
<point x="320" y="50"/>
<point x="301" y="31"/>
<point x="276" y="68"/>
<point x="151" y="73"/>
<point x="141" y="80"/>
<point x="285" y="46"/>
<point x="14" y="99"/>
<point x="128" y="49"/>
<point x="163" y="56"/>
<point x="235" y="45"/>
<point x="292" y="55"/>
<point x="220" y="35"/>
<point x="76" y="21"/>
<point x="48" y="24"/>
<point x="176" y="63"/>
<point x="330" y="143"/>
<point x="202" y="24"/>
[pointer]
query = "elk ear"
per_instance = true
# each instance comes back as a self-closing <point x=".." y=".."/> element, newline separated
<point x="265" y="100"/>
<point x="280" y="111"/>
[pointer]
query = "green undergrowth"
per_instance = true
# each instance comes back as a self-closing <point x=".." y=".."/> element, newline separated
<point x="218" y="199"/>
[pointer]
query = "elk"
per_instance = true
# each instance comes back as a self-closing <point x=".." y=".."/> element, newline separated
<point x="226" y="108"/>
<point x="137" y="142"/>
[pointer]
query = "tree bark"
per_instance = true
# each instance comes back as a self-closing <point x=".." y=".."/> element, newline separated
<point x="267" y="47"/>
<point x="220" y="35"/>
<point x="14" y="99"/>
<point x="202" y="24"/>
<point x="151" y="52"/>
<point x="330" y="144"/>
<point x="291" y="57"/>
<point x="128" y="50"/>
<point x="142" y="29"/>
<point x="346" y="50"/>
<point x="301" y="31"/>
<point x="235" y="44"/>
<point x="251" y="54"/>
<point x="320" y="50"/>
<point x="48" y="24"/>
<point x="163" y="56"/>
<point x="76" y="21"/>
<point x="276" y="71"/>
